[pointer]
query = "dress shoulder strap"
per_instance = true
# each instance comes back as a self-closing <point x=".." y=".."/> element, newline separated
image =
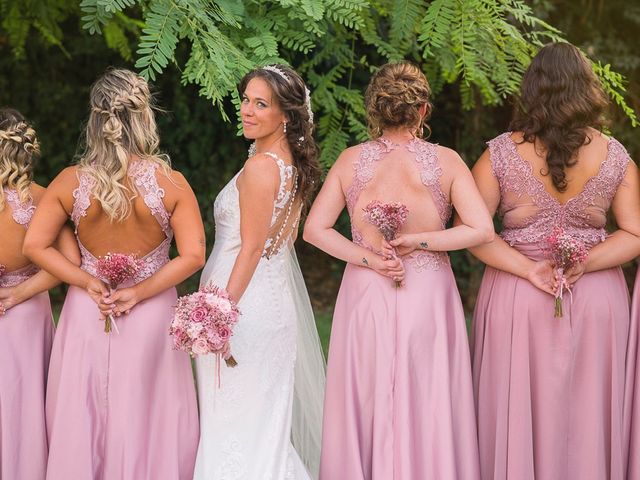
<point x="143" y="174"/>
<point x="364" y="168"/>
<point x="81" y="197"/>
<point x="21" y="212"/>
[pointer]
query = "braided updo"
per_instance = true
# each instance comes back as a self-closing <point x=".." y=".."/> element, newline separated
<point x="19" y="149"/>
<point x="121" y="124"/>
<point x="394" y="97"/>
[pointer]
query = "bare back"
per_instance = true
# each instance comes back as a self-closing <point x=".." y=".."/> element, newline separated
<point x="14" y="220"/>
<point x="411" y="174"/>
<point x="143" y="231"/>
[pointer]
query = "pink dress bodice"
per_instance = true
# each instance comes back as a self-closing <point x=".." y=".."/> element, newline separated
<point x="21" y="212"/>
<point x="529" y="212"/>
<point x="143" y="175"/>
<point x="426" y="158"/>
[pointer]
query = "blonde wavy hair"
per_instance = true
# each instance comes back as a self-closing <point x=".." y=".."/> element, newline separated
<point x="19" y="149"/>
<point x="393" y="99"/>
<point x="121" y="125"/>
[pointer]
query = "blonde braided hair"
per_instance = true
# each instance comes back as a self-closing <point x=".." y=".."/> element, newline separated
<point x="121" y="124"/>
<point x="18" y="150"/>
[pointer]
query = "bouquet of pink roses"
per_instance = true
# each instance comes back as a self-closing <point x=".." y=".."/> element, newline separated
<point x="116" y="268"/>
<point x="203" y="323"/>
<point x="387" y="218"/>
<point x="565" y="252"/>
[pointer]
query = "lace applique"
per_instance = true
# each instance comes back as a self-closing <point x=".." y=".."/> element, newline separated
<point x="11" y="279"/>
<point x="364" y="168"/>
<point x="517" y="180"/>
<point x="283" y="208"/>
<point x="144" y="176"/>
<point x="21" y="212"/>
<point x="150" y="263"/>
<point x="430" y="173"/>
<point x="82" y="197"/>
<point x="232" y="468"/>
<point x="421" y="261"/>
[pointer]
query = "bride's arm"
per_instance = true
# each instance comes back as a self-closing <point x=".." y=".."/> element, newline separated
<point x="258" y="185"/>
<point x="319" y="231"/>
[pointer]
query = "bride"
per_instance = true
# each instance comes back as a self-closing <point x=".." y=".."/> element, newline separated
<point x="263" y="421"/>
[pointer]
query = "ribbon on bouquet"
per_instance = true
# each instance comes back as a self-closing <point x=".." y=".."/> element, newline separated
<point x="563" y="284"/>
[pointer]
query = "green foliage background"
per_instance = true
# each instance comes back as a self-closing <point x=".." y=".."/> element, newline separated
<point x="195" y="51"/>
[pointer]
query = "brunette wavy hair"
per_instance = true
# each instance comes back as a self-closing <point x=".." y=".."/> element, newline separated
<point x="290" y="95"/>
<point x="560" y="98"/>
<point x="394" y="96"/>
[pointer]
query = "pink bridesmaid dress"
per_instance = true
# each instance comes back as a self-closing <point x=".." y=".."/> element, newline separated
<point x="550" y="391"/>
<point x="26" y="334"/>
<point x="632" y="405"/>
<point x="121" y="406"/>
<point x="399" y="399"/>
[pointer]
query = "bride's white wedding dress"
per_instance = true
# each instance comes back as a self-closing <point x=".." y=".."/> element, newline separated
<point x="264" y="420"/>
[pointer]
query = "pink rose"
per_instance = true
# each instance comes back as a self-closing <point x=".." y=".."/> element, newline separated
<point x="224" y="333"/>
<point x="200" y="347"/>
<point x="223" y="305"/>
<point x="198" y="314"/>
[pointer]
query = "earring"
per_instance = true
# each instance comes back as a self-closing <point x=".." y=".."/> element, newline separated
<point x="284" y="127"/>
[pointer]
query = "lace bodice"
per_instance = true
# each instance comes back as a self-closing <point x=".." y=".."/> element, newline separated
<point x="21" y="212"/>
<point x="529" y="213"/>
<point x="284" y="219"/>
<point x="430" y="171"/>
<point x="143" y="175"/>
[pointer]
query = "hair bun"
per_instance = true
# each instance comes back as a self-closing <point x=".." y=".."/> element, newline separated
<point x="394" y="97"/>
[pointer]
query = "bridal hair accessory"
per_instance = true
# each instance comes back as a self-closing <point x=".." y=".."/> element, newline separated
<point x="307" y="93"/>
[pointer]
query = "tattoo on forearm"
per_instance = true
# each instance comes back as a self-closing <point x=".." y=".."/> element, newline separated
<point x="424" y="245"/>
<point x="364" y="261"/>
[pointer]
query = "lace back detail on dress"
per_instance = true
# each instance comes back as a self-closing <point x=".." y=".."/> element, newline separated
<point x="81" y="198"/>
<point x="21" y="212"/>
<point x="286" y="210"/>
<point x="144" y="176"/>
<point x="530" y="212"/>
<point x="430" y="172"/>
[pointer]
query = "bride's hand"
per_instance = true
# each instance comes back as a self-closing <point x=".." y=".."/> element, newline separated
<point x="542" y="275"/>
<point x="389" y="267"/>
<point x="406" y="243"/>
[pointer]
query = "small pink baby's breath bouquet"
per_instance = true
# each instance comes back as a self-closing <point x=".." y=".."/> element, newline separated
<point x="203" y="323"/>
<point x="116" y="269"/>
<point x="388" y="218"/>
<point x="565" y="252"/>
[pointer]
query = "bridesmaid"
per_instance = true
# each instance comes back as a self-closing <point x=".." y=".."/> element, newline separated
<point x="26" y="325"/>
<point x="550" y="391"/>
<point x="399" y="401"/>
<point x="120" y="405"/>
